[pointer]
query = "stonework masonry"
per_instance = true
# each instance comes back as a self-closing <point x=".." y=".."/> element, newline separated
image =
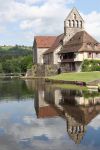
<point x="73" y="24"/>
<point x="39" y="70"/>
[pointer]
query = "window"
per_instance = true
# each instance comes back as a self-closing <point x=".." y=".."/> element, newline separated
<point x="89" y="55"/>
<point x="75" y="16"/>
<point x="77" y="24"/>
<point x="96" y="44"/>
<point x="73" y="23"/>
<point x="81" y="24"/>
<point x="96" y="54"/>
<point x="69" y="23"/>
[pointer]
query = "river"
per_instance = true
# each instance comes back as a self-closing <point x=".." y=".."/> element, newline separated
<point x="35" y="115"/>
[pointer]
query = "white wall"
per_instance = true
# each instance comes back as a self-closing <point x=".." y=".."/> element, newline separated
<point x="40" y="52"/>
<point x="84" y="55"/>
<point x="42" y="102"/>
<point x="56" y="56"/>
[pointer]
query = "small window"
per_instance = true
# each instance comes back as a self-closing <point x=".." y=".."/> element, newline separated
<point x="89" y="55"/>
<point x="73" y="23"/>
<point x="81" y="24"/>
<point x="96" y="44"/>
<point x="69" y="22"/>
<point x="96" y="53"/>
<point x="77" y="24"/>
<point x="88" y="43"/>
<point x="75" y="16"/>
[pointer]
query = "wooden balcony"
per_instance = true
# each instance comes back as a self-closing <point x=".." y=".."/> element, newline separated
<point x="67" y="60"/>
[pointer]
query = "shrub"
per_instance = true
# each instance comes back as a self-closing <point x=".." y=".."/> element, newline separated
<point x="91" y="65"/>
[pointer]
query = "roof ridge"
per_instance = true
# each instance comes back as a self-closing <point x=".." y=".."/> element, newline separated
<point x="45" y="36"/>
<point x="85" y="32"/>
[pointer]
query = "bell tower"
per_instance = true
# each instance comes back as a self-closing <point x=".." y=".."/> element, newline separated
<point x="73" y="24"/>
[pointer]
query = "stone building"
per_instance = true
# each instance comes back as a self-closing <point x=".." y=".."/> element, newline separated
<point x="80" y="47"/>
<point x="40" y="45"/>
<point x="69" y="49"/>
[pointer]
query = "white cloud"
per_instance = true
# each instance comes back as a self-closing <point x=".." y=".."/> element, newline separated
<point x="93" y="24"/>
<point x="42" y="17"/>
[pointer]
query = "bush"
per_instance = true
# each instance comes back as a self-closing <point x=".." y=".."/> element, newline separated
<point x="91" y="65"/>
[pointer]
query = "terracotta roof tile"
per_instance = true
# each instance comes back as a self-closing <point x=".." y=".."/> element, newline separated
<point x="47" y="111"/>
<point x="55" y="44"/>
<point x="44" y="41"/>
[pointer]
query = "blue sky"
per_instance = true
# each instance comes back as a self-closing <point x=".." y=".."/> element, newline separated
<point x="87" y="6"/>
<point x="22" y="19"/>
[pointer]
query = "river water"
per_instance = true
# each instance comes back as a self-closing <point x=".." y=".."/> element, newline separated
<point x="39" y="116"/>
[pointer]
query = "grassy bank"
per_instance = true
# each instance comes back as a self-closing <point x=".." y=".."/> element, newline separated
<point x="82" y="76"/>
<point x="70" y="86"/>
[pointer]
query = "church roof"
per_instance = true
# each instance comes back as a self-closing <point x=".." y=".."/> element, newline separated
<point x="55" y="44"/>
<point x="80" y="42"/>
<point x="44" y="41"/>
<point x="47" y="112"/>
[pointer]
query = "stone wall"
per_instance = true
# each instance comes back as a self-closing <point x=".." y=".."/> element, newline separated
<point x="42" y="70"/>
<point x="51" y="70"/>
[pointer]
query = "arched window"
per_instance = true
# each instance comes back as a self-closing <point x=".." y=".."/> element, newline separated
<point x="77" y="23"/>
<point x="75" y="16"/>
<point x="73" y="23"/>
<point x="81" y="24"/>
<point x="69" y="22"/>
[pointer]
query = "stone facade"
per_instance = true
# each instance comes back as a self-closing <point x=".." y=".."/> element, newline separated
<point x="40" y="70"/>
<point x="48" y="59"/>
<point x="73" y="24"/>
<point x="38" y="59"/>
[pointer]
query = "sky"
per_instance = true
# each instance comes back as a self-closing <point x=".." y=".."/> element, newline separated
<point x="21" y="20"/>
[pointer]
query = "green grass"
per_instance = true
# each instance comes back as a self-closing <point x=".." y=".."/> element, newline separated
<point x="70" y="86"/>
<point x="82" y="76"/>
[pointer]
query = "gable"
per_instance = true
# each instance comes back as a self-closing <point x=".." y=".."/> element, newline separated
<point x="74" y="15"/>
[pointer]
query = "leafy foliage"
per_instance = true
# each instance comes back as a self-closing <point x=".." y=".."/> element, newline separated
<point x="15" y="59"/>
<point x="15" y="51"/>
<point x="91" y="65"/>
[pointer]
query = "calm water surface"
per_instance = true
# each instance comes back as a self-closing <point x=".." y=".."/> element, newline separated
<point x="38" y="116"/>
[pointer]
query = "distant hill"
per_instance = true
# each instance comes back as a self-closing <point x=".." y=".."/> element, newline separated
<point x="14" y="51"/>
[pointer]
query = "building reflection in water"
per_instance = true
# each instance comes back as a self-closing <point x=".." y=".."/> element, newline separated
<point x="78" y="108"/>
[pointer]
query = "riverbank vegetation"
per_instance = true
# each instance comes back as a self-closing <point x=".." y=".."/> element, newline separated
<point x="75" y="76"/>
<point x="91" y="65"/>
<point x="15" y="59"/>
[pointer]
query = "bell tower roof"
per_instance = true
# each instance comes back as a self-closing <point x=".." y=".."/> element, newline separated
<point x="74" y="14"/>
